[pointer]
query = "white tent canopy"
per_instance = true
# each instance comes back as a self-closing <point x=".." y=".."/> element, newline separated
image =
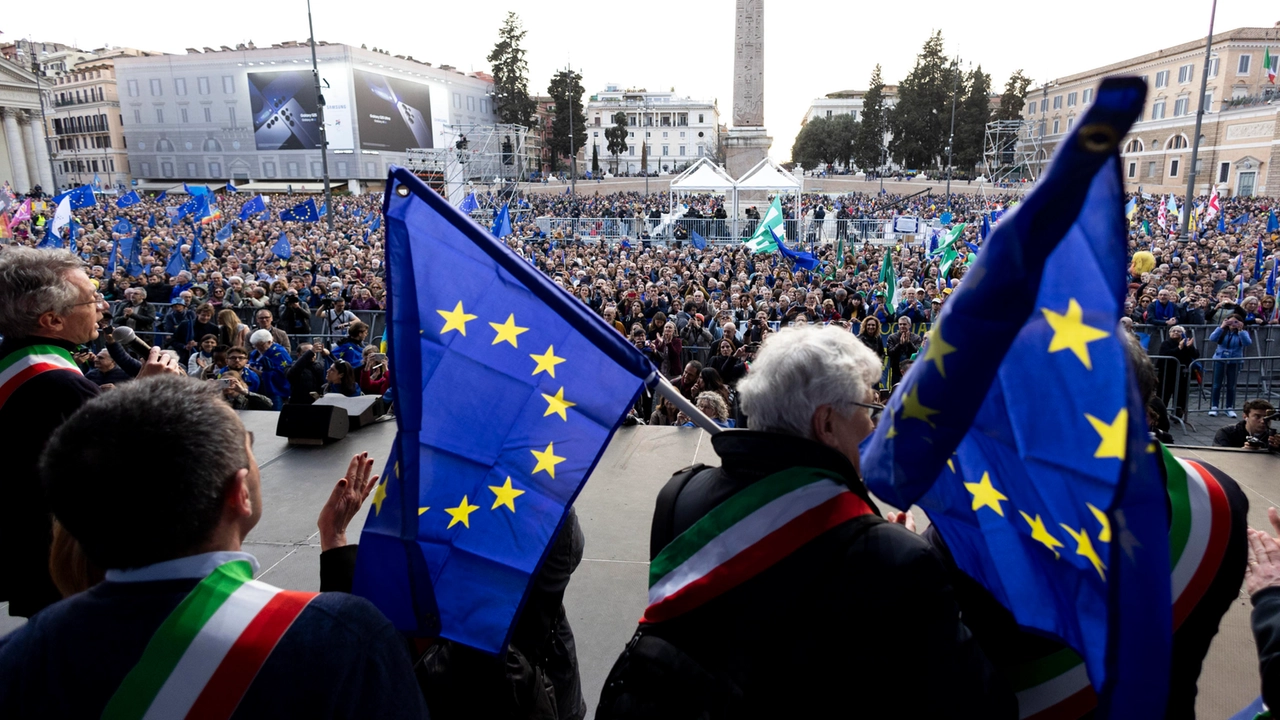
<point x="704" y="176"/>
<point x="768" y="175"/>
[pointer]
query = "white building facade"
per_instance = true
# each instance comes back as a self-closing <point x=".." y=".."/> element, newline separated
<point x="24" y="155"/>
<point x="678" y="130"/>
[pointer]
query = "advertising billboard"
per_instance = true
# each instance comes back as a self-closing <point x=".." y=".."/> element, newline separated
<point x="286" y="115"/>
<point x="393" y="113"/>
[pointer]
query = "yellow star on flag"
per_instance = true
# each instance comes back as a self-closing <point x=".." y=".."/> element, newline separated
<point x="455" y="319"/>
<point x="985" y="495"/>
<point x="937" y="349"/>
<point x="1070" y="332"/>
<point x="547" y="361"/>
<point x="556" y="404"/>
<point x="423" y="509"/>
<point x="912" y="408"/>
<point x="507" y="331"/>
<point x="547" y="460"/>
<point x="1084" y="548"/>
<point x="379" y="494"/>
<point x="1104" y="535"/>
<point x="1113" y="434"/>
<point x="506" y="495"/>
<point x="461" y="513"/>
<point x="1041" y="535"/>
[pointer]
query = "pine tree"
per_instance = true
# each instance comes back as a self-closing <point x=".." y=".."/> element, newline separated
<point x="973" y="112"/>
<point x="566" y="92"/>
<point x="921" y="120"/>
<point x="510" y="76"/>
<point x="595" y="160"/>
<point x="616" y="137"/>
<point x="1014" y="97"/>
<point x="867" y="147"/>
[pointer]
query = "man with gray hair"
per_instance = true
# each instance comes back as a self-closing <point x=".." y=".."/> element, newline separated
<point x="48" y="309"/>
<point x="777" y="589"/>
<point x="136" y="312"/>
<point x="272" y="362"/>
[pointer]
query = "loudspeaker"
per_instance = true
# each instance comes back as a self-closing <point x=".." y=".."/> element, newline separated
<point x="312" y="424"/>
<point x="361" y="410"/>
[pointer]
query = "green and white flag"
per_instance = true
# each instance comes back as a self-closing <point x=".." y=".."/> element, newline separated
<point x="889" y="277"/>
<point x="762" y="240"/>
<point x="948" y="242"/>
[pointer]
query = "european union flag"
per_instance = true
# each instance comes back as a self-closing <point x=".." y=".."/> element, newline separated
<point x="502" y="223"/>
<point x="186" y="209"/>
<point x="176" y="264"/>
<point x="135" y="255"/>
<point x="1272" y="224"/>
<point x="534" y="385"/>
<point x="253" y="207"/>
<point x="198" y="253"/>
<point x="698" y="241"/>
<point x="111" y="259"/>
<point x="206" y="209"/>
<point x="1271" y="279"/>
<point x="985" y="230"/>
<point x="232" y="188"/>
<point x="377" y="222"/>
<point x="164" y="195"/>
<point x="151" y="220"/>
<point x="122" y="227"/>
<point x="281" y="249"/>
<point x="469" y="204"/>
<point x="196" y="190"/>
<point x="302" y="212"/>
<point x="80" y="197"/>
<point x="223" y="234"/>
<point x="1066" y="528"/>
<point x="129" y="199"/>
<point x="798" y="258"/>
<point x="1257" y="262"/>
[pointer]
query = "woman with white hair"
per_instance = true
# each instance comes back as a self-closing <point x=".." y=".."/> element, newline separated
<point x="1173" y="363"/>
<point x="272" y="362"/>
<point x="837" y="578"/>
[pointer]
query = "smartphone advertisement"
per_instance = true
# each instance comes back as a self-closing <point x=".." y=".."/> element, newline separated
<point x="393" y="113"/>
<point x="286" y="115"/>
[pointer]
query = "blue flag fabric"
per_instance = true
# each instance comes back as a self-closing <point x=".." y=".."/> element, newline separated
<point x="151" y="220"/>
<point x="502" y="223"/>
<point x="946" y="217"/>
<point x="1257" y="263"/>
<point x="196" y="189"/>
<point x="175" y="265"/>
<point x="81" y="197"/>
<point x="377" y="222"/>
<point x="469" y="204"/>
<point x="223" y="234"/>
<point x="1271" y="279"/>
<point x="302" y="212"/>
<point x="129" y="199"/>
<point x="198" y="253"/>
<point x="111" y="260"/>
<point x="535" y="385"/>
<point x="697" y="240"/>
<point x="1242" y="220"/>
<point x="135" y="255"/>
<point x="253" y="207"/>
<point x="985" y="230"/>
<point x="231" y="188"/>
<point x="281" y="249"/>
<point x="798" y="258"/>
<point x="324" y="209"/>
<point x="1272" y="224"/>
<point x="1222" y="223"/>
<point x="164" y="195"/>
<point x="122" y="227"/>
<point x="186" y="208"/>
<point x="1067" y="530"/>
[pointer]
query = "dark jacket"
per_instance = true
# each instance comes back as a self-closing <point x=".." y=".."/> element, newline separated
<point x="27" y="419"/>
<point x="1266" y="634"/>
<point x="1233" y="436"/>
<point x="861" y="617"/>
<point x="1008" y="648"/>
<point x="305" y="377"/>
<point x="339" y="658"/>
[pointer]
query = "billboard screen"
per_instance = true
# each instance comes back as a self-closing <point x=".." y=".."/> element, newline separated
<point x="392" y="113"/>
<point x="286" y="115"/>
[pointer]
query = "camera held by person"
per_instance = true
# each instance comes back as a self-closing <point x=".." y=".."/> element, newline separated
<point x="1254" y="432"/>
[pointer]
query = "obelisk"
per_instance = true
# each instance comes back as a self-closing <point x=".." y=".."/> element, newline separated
<point x="747" y="142"/>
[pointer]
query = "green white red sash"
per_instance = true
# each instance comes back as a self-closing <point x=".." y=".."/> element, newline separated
<point x="745" y="535"/>
<point x="205" y="655"/>
<point x="22" y="365"/>
<point x="1056" y="686"/>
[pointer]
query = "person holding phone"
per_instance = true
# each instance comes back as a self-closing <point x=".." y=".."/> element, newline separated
<point x="374" y="378"/>
<point x="1232" y="338"/>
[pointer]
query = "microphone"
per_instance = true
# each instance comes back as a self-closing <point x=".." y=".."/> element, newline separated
<point x="127" y="337"/>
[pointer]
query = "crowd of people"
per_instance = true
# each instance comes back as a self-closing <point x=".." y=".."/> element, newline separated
<point x="259" y="330"/>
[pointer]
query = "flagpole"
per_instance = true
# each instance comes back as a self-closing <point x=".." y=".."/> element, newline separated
<point x="324" y="136"/>
<point x="699" y="418"/>
<point x="1195" y="143"/>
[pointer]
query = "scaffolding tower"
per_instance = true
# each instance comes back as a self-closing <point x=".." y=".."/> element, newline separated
<point x="1009" y="151"/>
<point x="491" y="158"/>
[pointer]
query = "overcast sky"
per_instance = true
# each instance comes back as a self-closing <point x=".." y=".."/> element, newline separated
<point x="811" y="47"/>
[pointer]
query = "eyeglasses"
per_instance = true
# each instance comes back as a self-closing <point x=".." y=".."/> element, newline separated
<point x="874" y="409"/>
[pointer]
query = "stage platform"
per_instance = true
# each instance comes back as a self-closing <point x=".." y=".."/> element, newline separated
<point x="609" y="590"/>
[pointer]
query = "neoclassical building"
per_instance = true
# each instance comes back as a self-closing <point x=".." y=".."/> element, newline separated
<point x="24" y="156"/>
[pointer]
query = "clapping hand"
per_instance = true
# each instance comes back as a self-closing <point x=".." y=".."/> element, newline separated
<point x="1263" y="570"/>
<point x="345" y="501"/>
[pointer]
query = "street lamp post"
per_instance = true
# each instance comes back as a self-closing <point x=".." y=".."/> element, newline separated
<point x="44" y="123"/>
<point x="324" y="136"/>
<point x="1184" y="236"/>
<point x="951" y="138"/>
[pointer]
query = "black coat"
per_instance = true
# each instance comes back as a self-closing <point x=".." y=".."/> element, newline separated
<point x="862" y="617"/>
<point x="27" y="419"/>
<point x="1266" y="633"/>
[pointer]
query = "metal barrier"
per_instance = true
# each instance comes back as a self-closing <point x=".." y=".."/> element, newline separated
<point x="715" y="231"/>
<point x="1266" y="338"/>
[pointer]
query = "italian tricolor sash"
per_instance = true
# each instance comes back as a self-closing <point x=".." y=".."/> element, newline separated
<point x="744" y="536"/>
<point x="22" y="365"/>
<point x="205" y="655"/>
<point x="1056" y="687"/>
